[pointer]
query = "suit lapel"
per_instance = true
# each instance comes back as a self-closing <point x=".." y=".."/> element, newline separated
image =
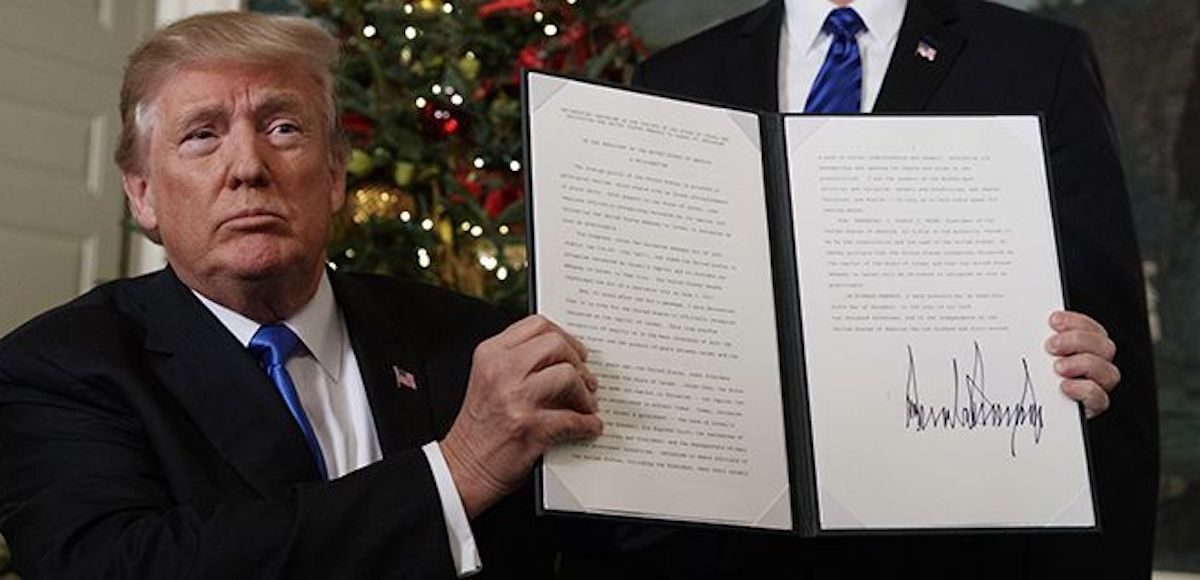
<point x="220" y="386"/>
<point x="913" y="77"/>
<point x="751" y="66"/>
<point x="392" y="370"/>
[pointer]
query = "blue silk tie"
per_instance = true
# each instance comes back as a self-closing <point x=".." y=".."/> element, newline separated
<point x="838" y="88"/>
<point x="274" y="344"/>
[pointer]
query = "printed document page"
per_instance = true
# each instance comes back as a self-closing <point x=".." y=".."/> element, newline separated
<point x="650" y="245"/>
<point x="928" y="270"/>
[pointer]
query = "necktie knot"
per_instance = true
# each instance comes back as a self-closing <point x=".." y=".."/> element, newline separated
<point x="843" y="23"/>
<point x="274" y="344"/>
<point x="838" y="86"/>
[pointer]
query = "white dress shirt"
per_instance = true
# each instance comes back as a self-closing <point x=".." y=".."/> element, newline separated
<point x="803" y="45"/>
<point x="329" y="383"/>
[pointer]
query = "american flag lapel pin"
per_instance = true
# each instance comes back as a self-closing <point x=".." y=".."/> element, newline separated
<point x="926" y="50"/>
<point x="404" y="378"/>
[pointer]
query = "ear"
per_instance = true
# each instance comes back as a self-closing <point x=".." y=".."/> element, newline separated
<point x="337" y="175"/>
<point x="141" y="203"/>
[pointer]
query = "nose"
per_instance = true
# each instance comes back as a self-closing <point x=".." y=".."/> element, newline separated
<point x="247" y="165"/>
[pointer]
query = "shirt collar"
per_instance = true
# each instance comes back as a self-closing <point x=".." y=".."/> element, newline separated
<point x="318" y="324"/>
<point x="803" y="20"/>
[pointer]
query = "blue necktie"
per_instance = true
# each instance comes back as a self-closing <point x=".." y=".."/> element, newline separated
<point x="274" y="344"/>
<point x="838" y="88"/>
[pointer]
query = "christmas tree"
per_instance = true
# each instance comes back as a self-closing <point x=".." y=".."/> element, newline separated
<point x="430" y="96"/>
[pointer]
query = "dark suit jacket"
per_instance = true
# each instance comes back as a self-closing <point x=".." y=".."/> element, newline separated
<point x="138" y="439"/>
<point x="990" y="59"/>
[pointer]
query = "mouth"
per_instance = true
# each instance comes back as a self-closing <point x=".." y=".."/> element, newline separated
<point x="253" y="219"/>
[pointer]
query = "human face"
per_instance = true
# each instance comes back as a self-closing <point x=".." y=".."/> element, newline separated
<point x="238" y="179"/>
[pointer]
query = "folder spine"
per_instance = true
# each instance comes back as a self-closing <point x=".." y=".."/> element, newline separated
<point x="785" y="279"/>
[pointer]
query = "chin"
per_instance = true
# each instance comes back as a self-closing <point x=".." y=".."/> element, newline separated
<point x="259" y="263"/>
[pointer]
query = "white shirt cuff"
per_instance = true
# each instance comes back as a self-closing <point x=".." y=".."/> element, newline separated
<point x="458" y="527"/>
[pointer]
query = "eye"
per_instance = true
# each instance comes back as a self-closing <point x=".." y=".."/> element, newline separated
<point x="199" y="134"/>
<point x="284" y="128"/>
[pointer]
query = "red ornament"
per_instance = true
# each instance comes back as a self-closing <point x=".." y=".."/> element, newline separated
<point x="530" y="57"/>
<point x="440" y="121"/>
<point x="574" y="33"/>
<point x="622" y="32"/>
<point x="575" y="38"/>
<point x="497" y="200"/>
<point x="358" y="125"/>
<point x="518" y="6"/>
<point x="495" y="190"/>
<point x="470" y="181"/>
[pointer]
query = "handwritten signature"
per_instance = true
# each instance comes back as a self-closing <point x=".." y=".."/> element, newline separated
<point x="977" y="411"/>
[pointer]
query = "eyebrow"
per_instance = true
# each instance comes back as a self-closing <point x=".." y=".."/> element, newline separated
<point x="285" y="102"/>
<point x="203" y="114"/>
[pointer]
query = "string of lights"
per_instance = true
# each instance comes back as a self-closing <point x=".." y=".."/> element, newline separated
<point x="431" y="105"/>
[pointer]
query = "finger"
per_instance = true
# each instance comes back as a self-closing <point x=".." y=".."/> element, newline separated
<point x="545" y="350"/>
<point x="1062" y="320"/>
<point x="532" y="326"/>
<point x="562" y="426"/>
<point x="562" y="387"/>
<point x="522" y="330"/>
<point x="1069" y="342"/>
<point x="1094" y="398"/>
<point x="1088" y="366"/>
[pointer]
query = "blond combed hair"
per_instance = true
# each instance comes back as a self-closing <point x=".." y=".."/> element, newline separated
<point x="239" y="37"/>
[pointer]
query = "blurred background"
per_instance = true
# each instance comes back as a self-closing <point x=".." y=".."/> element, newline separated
<point x="433" y="114"/>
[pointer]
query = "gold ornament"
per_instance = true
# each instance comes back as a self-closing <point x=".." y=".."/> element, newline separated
<point x="430" y="5"/>
<point x="445" y="231"/>
<point x="469" y="66"/>
<point x="360" y="163"/>
<point x="514" y="255"/>
<point x="459" y="268"/>
<point x="380" y="201"/>
<point x="402" y="172"/>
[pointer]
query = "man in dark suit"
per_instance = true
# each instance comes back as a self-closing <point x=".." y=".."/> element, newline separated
<point x="246" y="413"/>
<point x="950" y="56"/>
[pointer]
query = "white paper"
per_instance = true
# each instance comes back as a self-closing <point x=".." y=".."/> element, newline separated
<point x="927" y="272"/>
<point x="650" y="245"/>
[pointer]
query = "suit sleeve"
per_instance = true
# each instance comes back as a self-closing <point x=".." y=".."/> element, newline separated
<point x="1104" y="280"/>
<point x="84" y="495"/>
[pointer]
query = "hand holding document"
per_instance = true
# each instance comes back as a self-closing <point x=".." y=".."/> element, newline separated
<point x="803" y="323"/>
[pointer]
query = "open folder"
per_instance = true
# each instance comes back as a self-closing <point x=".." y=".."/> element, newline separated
<point x="822" y="324"/>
